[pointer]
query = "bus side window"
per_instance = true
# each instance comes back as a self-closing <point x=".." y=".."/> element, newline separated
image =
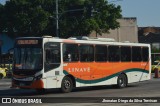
<point x="125" y="53"/>
<point x="86" y="53"/>
<point x="145" y="53"/>
<point x="52" y="55"/>
<point x="48" y="59"/>
<point x="70" y="52"/>
<point x="114" y="53"/>
<point x="136" y="54"/>
<point x="100" y="53"/>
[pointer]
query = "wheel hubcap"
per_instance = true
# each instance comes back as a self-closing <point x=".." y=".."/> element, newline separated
<point x="67" y="84"/>
<point x="121" y="82"/>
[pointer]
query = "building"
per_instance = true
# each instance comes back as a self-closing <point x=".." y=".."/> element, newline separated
<point x="6" y="43"/>
<point x="151" y="35"/>
<point x="145" y="30"/>
<point x="128" y="31"/>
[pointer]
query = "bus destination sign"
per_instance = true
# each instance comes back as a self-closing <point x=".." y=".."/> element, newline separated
<point x="27" y="42"/>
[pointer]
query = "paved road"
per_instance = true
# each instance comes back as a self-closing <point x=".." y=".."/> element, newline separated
<point x="143" y="89"/>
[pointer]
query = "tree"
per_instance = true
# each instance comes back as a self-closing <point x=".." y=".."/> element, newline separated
<point x="33" y="17"/>
<point x="26" y="17"/>
<point x="103" y="16"/>
<point x="2" y="27"/>
<point x="98" y="15"/>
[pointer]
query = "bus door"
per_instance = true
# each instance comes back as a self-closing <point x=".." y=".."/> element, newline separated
<point x="52" y="63"/>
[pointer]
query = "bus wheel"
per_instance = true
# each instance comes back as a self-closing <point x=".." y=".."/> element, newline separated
<point x="1" y="76"/>
<point x="67" y="85"/>
<point x="122" y="81"/>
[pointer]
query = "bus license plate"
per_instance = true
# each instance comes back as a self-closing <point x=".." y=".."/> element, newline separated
<point x="21" y="84"/>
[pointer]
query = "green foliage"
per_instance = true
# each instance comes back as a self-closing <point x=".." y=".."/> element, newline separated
<point x="33" y="17"/>
<point x="155" y="50"/>
<point x="1" y="18"/>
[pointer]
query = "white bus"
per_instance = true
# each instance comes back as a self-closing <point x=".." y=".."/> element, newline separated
<point x="47" y="62"/>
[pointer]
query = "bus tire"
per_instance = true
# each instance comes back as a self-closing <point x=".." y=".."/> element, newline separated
<point x="1" y="76"/>
<point x="66" y="85"/>
<point x="122" y="81"/>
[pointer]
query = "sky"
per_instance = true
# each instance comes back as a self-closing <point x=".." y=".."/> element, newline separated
<point x="146" y="11"/>
<point x="3" y="1"/>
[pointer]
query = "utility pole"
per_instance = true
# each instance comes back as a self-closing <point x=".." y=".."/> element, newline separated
<point x="57" y="19"/>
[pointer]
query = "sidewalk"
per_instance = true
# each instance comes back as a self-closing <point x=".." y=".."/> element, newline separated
<point x="5" y="81"/>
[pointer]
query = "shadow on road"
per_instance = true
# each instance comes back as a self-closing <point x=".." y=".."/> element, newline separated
<point x="30" y="92"/>
<point x="105" y="87"/>
<point x="26" y="92"/>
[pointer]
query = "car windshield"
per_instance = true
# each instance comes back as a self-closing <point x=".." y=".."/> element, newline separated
<point x="28" y="58"/>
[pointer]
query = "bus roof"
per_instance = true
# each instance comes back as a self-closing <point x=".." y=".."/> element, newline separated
<point x="86" y="40"/>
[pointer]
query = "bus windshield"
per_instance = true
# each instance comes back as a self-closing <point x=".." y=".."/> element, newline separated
<point x="28" y="58"/>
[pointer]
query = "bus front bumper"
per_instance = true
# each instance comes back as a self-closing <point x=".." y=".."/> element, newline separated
<point x="37" y="84"/>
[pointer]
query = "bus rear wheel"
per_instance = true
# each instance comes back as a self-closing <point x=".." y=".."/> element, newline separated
<point x="67" y="84"/>
<point x="122" y="81"/>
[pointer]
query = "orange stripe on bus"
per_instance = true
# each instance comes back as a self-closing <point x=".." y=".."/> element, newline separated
<point x="69" y="41"/>
<point x="99" y="70"/>
<point x="35" y="85"/>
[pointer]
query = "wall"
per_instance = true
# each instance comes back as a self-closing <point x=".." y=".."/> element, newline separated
<point x="128" y="31"/>
<point x="7" y="43"/>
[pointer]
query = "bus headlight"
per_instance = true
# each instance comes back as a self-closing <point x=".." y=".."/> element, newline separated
<point x="23" y="79"/>
<point x="38" y="77"/>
